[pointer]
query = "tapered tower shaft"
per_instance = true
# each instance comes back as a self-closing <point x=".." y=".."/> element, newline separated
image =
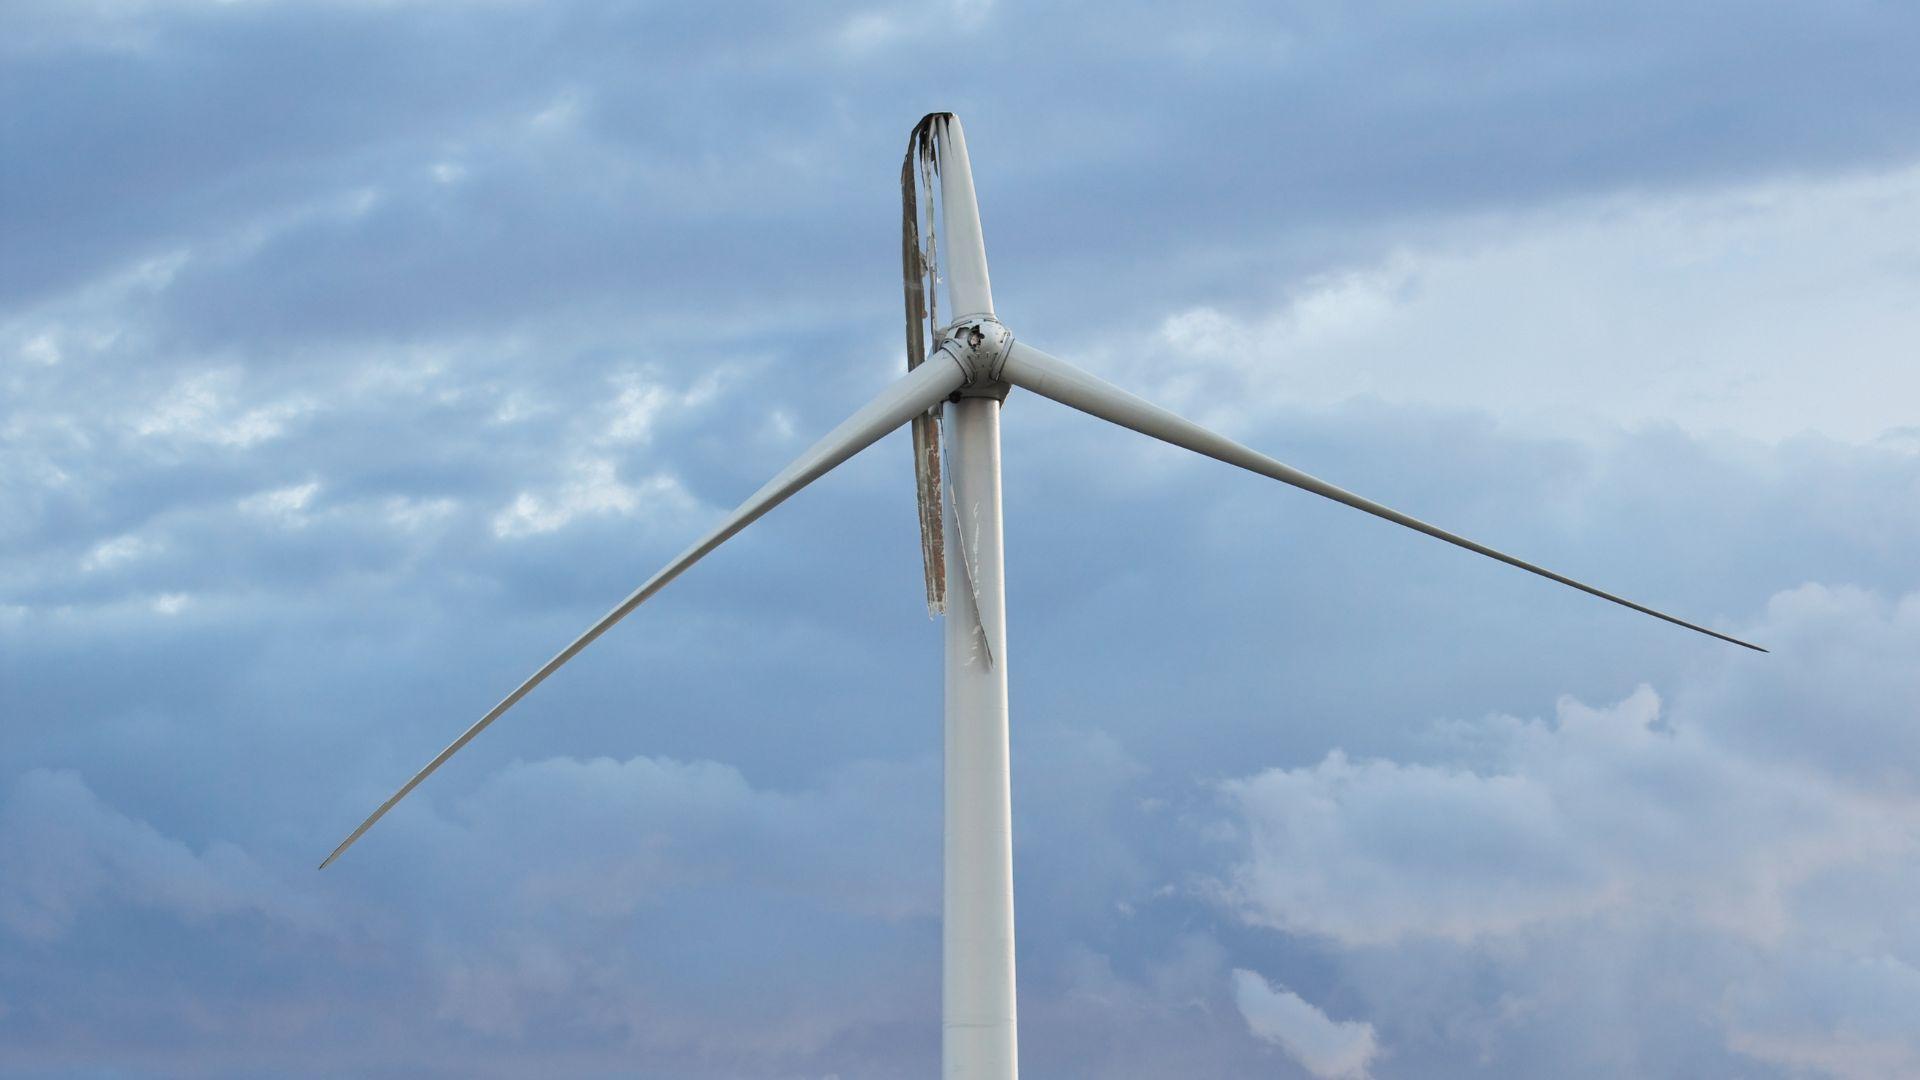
<point x="977" y="1036"/>
<point x="978" y="1039"/>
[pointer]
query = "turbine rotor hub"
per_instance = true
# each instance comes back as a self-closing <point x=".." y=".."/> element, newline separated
<point x="979" y="344"/>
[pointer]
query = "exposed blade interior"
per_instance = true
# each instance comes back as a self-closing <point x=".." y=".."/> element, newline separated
<point x="919" y="266"/>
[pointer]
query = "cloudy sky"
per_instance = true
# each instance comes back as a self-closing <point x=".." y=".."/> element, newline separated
<point x="355" y="356"/>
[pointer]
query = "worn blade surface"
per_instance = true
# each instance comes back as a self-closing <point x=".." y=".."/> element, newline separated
<point x="1051" y="377"/>
<point x="919" y="262"/>
<point x="899" y="403"/>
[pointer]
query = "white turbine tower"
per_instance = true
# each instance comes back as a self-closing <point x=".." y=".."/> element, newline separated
<point x="957" y="388"/>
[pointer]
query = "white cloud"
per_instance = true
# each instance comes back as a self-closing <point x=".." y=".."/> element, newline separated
<point x="121" y="549"/>
<point x="1603" y="810"/>
<point x="409" y="514"/>
<point x="286" y="504"/>
<point x="641" y="398"/>
<point x="1732" y="310"/>
<point x="1712" y="857"/>
<point x="205" y="408"/>
<point x="515" y="406"/>
<point x="866" y="32"/>
<point x="1329" y="1049"/>
<point x="560" y="113"/>
<point x="635" y="408"/>
<point x="41" y="349"/>
<point x="1841" y="691"/>
<point x="869" y="32"/>
<point x="595" y="488"/>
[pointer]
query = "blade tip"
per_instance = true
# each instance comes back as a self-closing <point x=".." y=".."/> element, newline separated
<point x="1731" y="640"/>
<point x="337" y="852"/>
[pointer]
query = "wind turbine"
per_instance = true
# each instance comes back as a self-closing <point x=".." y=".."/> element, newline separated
<point x="954" y="386"/>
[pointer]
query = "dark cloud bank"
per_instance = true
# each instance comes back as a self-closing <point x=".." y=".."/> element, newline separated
<point x="356" y="356"/>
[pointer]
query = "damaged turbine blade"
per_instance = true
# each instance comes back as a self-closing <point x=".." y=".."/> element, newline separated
<point x="927" y="455"/>
<point x="920" y="274"/>
<point x="966" y="533"/>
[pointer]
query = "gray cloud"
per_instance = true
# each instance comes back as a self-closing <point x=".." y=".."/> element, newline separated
<point x="1615" y="847"/>
<point x="1846" y="701"/>
<point x="506" y="160"/>
<point x="353" y="357"/>
<point x="62" y="852"/>
<point x="1604" y="807"/>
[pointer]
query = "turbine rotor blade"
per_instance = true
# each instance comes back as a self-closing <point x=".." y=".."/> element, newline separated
<point x="919" y="269"/>
<point x="966" y="247"/>
<point x="1051" y="377"/>
<point x="911" y="396"/>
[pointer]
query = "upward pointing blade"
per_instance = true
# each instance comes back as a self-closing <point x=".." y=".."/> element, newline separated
<point x="1048" y="376"/>
<point x="900" y="402"/>
<point x="919" y="269"/>
<point x="967" y="285"/>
